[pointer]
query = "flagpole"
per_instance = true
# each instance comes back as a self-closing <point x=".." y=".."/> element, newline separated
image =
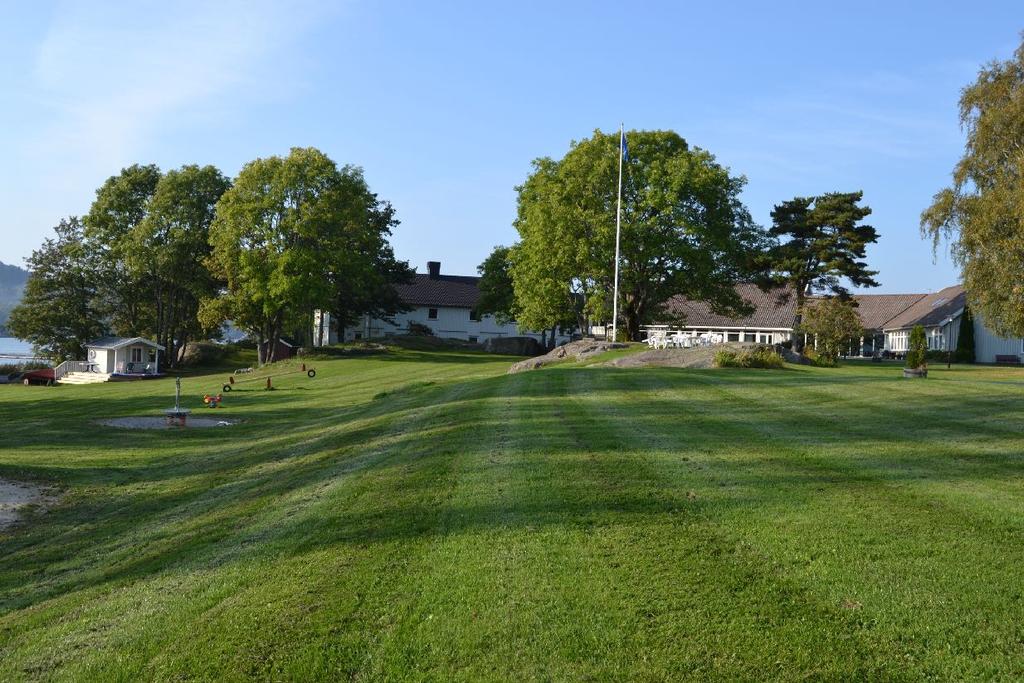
<point x="618" y="227"/>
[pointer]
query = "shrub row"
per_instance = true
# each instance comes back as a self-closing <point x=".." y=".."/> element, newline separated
<point x="759" y="357"/>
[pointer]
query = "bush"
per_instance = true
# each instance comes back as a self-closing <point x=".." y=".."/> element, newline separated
<point x="936" y="356"/>
<point x="918" y="348"/>
<point x="758" y="357"/>
<point x="820" y="360"/>
<point x="419" y="330"/>
<point x="965" y="341"/>
<point x="834" y="323"/>
<point x="203" y="353"/>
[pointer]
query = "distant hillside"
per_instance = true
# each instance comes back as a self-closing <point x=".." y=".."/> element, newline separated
<point x="12" y="282"/>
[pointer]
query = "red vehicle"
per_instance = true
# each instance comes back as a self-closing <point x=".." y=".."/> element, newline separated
<point x="41" y="376"/>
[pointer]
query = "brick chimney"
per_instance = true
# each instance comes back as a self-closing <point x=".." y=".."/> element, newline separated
<point x="434" y="269"/>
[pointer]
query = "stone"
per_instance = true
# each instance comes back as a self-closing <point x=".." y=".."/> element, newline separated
<point x="514" y="346"/>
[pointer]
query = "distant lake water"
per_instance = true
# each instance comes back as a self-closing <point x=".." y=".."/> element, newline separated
<point x="14" y="350"/>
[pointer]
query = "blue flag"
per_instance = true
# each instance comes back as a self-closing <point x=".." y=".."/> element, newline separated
<point x="625" y="148"/>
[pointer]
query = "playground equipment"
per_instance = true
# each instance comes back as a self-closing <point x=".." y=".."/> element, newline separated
<point x="213" y="401"/>
<point x="177" y="415"/>
<point x="310" y="372"/>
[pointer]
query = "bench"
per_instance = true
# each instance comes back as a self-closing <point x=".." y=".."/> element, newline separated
<point x="1012" y="359"/>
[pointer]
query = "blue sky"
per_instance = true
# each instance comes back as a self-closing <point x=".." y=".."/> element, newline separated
<point x="445" y="104"/>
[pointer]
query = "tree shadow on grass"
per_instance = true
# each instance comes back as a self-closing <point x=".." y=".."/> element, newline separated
<point x="196" y="496"/>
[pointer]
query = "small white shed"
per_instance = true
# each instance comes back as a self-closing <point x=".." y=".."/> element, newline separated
<point x="123" y="356"/>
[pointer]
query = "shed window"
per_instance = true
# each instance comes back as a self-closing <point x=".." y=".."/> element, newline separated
<point x="474" y="315"/>
<point x="473" y="340"/>
<point x="431" y="314"/>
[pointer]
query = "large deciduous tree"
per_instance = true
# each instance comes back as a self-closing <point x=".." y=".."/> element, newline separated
<point x="121" y="204"/>
<point x="821" y="246"/>
<point x="58" y="312"/>
<point x="496" y="288"/>
<point x="295" y="234"/>
<point x="684" y="231"/>
<point x="982" y="212"/>
<point x="151" y="232"/>
<point x="834" y="323"/>
<point x="168" y="250"/>
<point x="364" y="277"/>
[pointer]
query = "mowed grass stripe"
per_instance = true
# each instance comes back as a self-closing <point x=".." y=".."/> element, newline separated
<point x="424" y="516"/>
<point x="263" y="493"/>
<point x="868" y="535"/>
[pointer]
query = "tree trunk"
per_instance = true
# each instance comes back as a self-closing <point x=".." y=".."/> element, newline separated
<point x="798" y="339"/>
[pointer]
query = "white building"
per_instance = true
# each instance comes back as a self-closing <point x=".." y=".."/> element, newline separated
<point x="123" y="356"/>
<point x="446" y="304"/>
<point x="887" y="320"/>
<point x="771" y="321"/>
<point x="938" y="313"/>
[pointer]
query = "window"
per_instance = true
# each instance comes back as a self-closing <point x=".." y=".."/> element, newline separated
<point x="474" y="315"/>
<point x="136" y="354"/>
<point x="733" y="336"/>
<point x="359" y="335"/>
<point x="473" y="340"/>
<point x="431" y="314"/>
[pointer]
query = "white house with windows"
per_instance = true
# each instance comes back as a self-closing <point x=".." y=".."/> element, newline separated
<point x="939" y="313"/>
<point x="444" y="303"/>
<point x="771" y="321"/>
<point x="123" y="355"/>
<point x="887" y="320"/>
<point x="110" y="358"/>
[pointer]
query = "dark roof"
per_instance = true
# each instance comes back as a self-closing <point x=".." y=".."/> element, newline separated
<point x="118" y="342"/>
<point x="455" y="291"/>
<point x="877" y="309"/>
<point x="775" y="308"/>
<point x="930" y="309"/>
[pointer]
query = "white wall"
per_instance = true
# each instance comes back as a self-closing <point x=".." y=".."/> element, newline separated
<point x="987" y="345"/>
<point x="940" y="337"/>
<point x="450" y="323"/>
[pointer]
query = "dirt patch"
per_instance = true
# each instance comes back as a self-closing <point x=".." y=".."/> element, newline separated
<point x="17" y="498"/>
<point x="577" y="350"/>
<point x="161" y="423"/>
<point x="701" y="357"/>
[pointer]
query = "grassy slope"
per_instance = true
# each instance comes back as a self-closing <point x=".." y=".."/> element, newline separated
<point x="565" y="523"/>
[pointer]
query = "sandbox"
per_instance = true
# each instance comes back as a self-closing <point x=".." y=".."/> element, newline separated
<point x="161" y="423"/>
<point x="15" y="497"/>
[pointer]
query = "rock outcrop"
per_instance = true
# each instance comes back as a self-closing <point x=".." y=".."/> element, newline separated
<point x="514" y="346"/>
<point x="577" y="350"/>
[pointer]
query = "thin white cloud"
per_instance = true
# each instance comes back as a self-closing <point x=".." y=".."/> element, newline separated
<point x="105" y="84"/>
<point x="111" y="76"/>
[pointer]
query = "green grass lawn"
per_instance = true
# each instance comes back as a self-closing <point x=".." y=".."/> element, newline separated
<point x="422" y="515"/>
